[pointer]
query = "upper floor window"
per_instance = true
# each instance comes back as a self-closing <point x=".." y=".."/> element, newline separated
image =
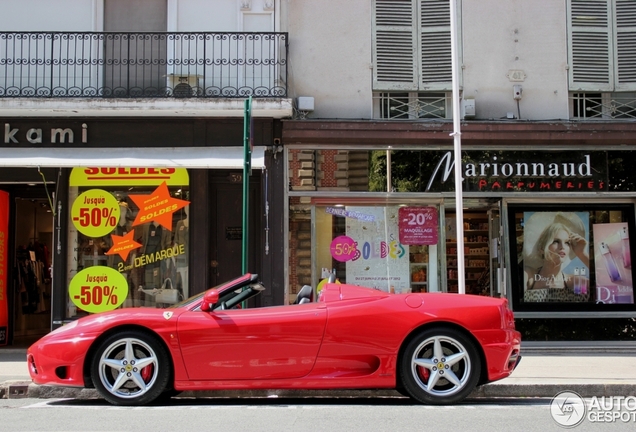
<point x="602" y="45"/>
<point x="412" y="45"/>
<point x="412" y="105"/>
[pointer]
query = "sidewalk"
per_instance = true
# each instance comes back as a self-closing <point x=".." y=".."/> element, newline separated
<point x="539" y="374"/>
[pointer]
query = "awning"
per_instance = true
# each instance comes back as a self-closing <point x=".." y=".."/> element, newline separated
<point x="184" y="157"/>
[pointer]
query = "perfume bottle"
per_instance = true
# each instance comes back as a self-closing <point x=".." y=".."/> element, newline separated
<point x="627" y="257"/>
<point x="577" y="281"/>
<point x="610" y="264"/>
<point x="583" y="281"/>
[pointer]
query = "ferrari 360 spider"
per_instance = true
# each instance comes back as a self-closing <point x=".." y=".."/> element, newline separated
<point x="435" y="348"/>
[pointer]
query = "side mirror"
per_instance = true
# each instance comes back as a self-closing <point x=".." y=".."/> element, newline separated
<point x="210" y="298"/>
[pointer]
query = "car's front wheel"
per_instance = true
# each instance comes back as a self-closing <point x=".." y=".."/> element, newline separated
<point x="130" y="368"/>
<point x="440" y="366"/>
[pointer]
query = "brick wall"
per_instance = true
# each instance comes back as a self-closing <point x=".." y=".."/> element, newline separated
<point x="322" y="170"/>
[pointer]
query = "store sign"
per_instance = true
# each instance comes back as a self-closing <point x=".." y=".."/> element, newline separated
<point x="516" y="171"/>
<point x="128" y="176"/>
<point x="4" y="251"/>
<point x="62" y="135"/>
<point x="418" y="225"/>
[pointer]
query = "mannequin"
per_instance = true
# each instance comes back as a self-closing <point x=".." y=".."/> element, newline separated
<point x="155" y="238"/>
<point x="124" y="224"/>
<point x="121" y="229"/>
<point x="182" y="237"/>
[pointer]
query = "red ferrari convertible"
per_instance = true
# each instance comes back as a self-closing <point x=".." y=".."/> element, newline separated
<point x="433" y="347"/>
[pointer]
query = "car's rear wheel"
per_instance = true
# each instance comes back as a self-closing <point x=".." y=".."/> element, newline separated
<point x="130" y="368"/>
<point x="440" y="366"/>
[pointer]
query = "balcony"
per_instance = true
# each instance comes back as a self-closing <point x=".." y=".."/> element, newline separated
<point x="187" y="66"/>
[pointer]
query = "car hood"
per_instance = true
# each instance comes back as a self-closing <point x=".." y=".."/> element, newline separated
<point x="100" y="322"/>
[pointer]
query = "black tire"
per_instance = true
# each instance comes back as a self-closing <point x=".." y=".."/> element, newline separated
<point x="131" y="368"/>
<point x="440" y="366"/>
<point x="167" y="395"/>
<point x="402" y="391"/>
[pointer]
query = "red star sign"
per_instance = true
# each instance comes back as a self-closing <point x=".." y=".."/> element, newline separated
<point x="122" y="245"/>
<point x="158" y="206"/>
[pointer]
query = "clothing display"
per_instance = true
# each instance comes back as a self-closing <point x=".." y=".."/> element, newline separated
<point x="155" y="238"/>
<point x="34" y="279"/>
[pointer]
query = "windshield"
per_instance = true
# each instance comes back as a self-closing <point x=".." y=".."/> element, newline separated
<point x="239" y="283"/>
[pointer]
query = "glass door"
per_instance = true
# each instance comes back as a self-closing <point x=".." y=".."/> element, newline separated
<point x="497" y="267"/>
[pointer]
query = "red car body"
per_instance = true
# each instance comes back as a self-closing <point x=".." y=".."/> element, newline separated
<point x="352" y="337"/>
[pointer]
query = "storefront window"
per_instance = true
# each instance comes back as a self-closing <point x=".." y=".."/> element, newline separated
<point x="128" y="238"/>
<point x="393" y="248"/>
<point x="572" y="258"/>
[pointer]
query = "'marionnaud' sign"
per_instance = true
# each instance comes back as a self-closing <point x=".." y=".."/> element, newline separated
<point x="523" y="171"/>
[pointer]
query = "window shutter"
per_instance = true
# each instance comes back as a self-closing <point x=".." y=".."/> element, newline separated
<point x="625" y="45"/>
<point x="394" y="45"/>
<point x="435" y="45"/>
<point x="590" y="41"/>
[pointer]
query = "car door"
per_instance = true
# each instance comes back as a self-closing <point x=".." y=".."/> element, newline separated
<point x="261" y="343"/>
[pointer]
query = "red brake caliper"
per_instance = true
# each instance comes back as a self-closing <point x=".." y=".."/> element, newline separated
<point x="423" y="373"/>
<point x="146" y="373"/>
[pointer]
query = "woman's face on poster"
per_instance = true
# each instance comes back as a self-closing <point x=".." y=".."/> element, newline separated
<point x="559" y="248"/>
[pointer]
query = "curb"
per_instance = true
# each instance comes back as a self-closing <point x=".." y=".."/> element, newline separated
<point x="25" y="389"/>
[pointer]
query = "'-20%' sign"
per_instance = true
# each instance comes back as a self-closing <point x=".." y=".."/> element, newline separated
<point x="418" y="225"/>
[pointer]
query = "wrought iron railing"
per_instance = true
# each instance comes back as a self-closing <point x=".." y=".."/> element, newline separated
<point x="143" y="65"/>
<point x="413" y="105"/>
<point x="602" y="106"/>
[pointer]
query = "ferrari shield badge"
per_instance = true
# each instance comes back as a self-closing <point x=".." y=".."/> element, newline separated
<point x="167" y="315"/>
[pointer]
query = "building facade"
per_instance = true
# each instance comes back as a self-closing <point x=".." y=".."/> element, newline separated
<point x="124" y="154"/>
<point x="547" y="136"/>
<point x="114" y="108"/>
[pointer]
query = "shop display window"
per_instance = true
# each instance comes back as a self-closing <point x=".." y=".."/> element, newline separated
<point x="128" y="244"/>
<point x="476" y="253"/>
<point x="574" y="257"/>
<point x="390" y="248"/>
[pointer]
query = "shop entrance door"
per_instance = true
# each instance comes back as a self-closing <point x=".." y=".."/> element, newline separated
<point x="483" y="250"/>
<point x="32" y="267"/>
<point x="226" y="225"/>
<point x="497" y="263"/>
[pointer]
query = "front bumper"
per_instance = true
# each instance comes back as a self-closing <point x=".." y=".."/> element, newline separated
<point x="54" y="361"/>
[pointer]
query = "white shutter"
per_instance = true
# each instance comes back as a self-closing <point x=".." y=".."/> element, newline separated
<point x="591" y="46"/>
<point x="435" y="45"/>
<point x="394" y="45"/>
<point x="625" y="34"/>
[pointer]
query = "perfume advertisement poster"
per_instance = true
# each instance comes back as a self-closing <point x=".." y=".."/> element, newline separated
<point x="613" y="262"/>
<point x="556" y="256"/>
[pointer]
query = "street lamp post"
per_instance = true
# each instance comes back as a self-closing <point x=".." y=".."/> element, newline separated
<point x="247" y="168"/>
<point x="457" y="145"/>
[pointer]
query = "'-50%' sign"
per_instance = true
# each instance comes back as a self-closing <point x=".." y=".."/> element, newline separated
<point x="95" y="213"/>
<point x="98" y="289"/>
